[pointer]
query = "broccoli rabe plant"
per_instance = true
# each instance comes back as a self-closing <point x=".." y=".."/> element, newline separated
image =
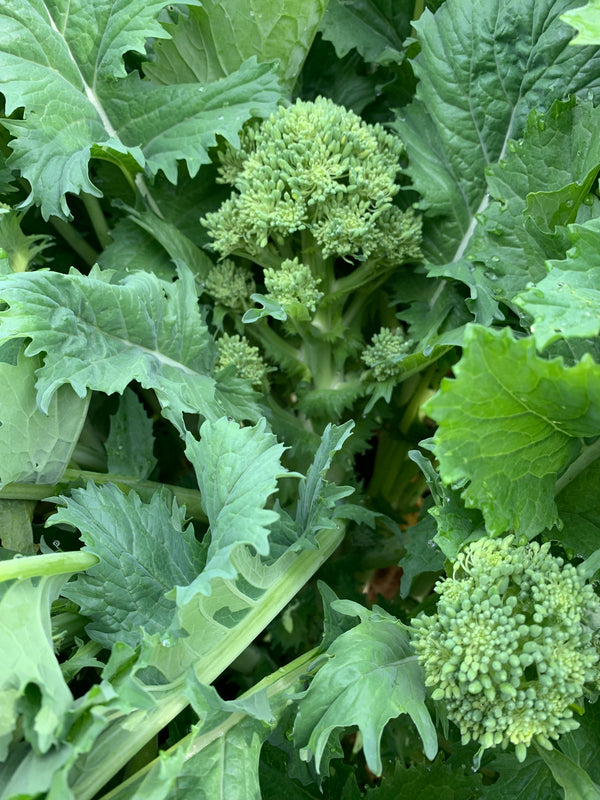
<point x="315" y="205"/>
<point x="299" y="312"/>
<point x="510" y="648"/>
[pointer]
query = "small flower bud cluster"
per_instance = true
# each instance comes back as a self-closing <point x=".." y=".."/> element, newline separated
<point x="293" y="285"/>
<point x="230" y="285"/>
<point x="384" y="354"/>
<point x="317" y="167"/>
<point x="511" y="645"/>
<point x="237" y="351"/>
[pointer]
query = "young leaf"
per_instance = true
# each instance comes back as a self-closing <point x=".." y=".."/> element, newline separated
<point x="475" y="91"/>
<point x="237" y="470"/>
<point x="566" y="303"/>
<point x="509" y="423"/>
<point x="31" y="683"/>
<point x="316" y="497"/>
<point x="101" y="335"/>
<point x="144" y="552"/>
<point x="372" y="676"/>
<point x="36" y="446"/>
<point x="213" y="40"/>
<point x="64" y="66"/>
<point x="130" y="442"/>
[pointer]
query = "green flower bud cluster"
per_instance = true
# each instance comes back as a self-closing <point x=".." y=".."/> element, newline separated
<point x="511" y="645"/>
<point x="315" y="166"/>
<point x="383" y="356"/>
<point x="237" y="351"/>
<point x="230" y="285"/>
<point x="293" y="286"/>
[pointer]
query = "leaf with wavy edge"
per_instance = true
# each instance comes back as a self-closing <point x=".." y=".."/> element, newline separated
<point x="508" y="423"/>
<point x="62" y="62"/>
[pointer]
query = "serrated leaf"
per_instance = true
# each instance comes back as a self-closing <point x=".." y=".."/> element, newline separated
<point x="475" y="91"/>
<point x="144" y="552"/>
<point x="371" y="677"/>
<point x="531" y="780"/>
<point x="64" y="66"/>
<point x="237" y="470"/>
<point x="536" y="189"/>
<point x="566" y="303"/>
<point x="130" y="441"/>
<point x="508" y="423"/>
<point x="377" y="29"/>
<point x="579" y="510"/>
<point x="101" y="335"/>
<point x="454" y="524"/>
<point x="213" y="40"/>
<point x="587" y="21"/>
<point x="27" y="659"/>
<point x="436" y="780"/>
<point x="35" y="445"/>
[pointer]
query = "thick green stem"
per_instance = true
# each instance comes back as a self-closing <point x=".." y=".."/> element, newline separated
<point x="31" y="491"/>
<point x="97" y="218"/>
<point x="75" y="241"/>
<point x="23" y="567"/>
<point x="126" y="735"/>
<point x="284" y="353"/>
<point x="277" y="683"/>
<point x="589" y="454"/>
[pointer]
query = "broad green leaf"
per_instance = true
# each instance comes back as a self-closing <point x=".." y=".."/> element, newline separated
<point x="376" y="29"/>
<point x="101" y="335"/>
<point x="31" y="684"/>
<point x="587" y="21"/>
<point x="130" y="442"/>
<point x="214" y="39"/>
<point x="144" y="552"/>
<point x="508" y="423"/>
<point x="36" y="445"/>
<point x="64" y="65"/>
<point x="372" y="676"/>
<point x="576" y="783"/>
<point x="237" y="470"/>
<point x="482" y="68"/>
<point x="566" y="303"/>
